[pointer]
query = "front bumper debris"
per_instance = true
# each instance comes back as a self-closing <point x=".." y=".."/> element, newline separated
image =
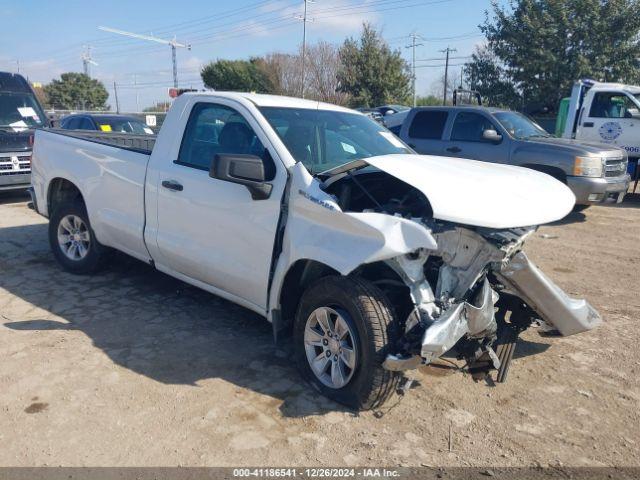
<point x="475" y="319"/>
<point x="568" y="315"/>
<point x="471" y="319"/>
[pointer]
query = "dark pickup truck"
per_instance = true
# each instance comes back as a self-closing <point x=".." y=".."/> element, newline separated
<point x="20" y="113"/>
<point x="594" y="172"/>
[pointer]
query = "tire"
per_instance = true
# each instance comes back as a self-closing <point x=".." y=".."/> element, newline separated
<point x="90" y="254"/>
<point x="372" y="326"/>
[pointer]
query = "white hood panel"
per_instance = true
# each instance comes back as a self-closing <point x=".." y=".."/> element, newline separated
<point x="482" y="194"/>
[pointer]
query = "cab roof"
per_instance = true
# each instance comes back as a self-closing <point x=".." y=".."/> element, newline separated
<point x="263" y="100"/>
<point x="615" y="86"/>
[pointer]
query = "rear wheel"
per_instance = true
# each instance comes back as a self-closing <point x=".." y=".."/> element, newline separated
<point x="72" y="240"/>
<point x="343" y="331"/>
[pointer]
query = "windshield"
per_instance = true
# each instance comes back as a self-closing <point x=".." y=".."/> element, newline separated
<point x="325" y="139"/>
<point x="122" y="125"/>
<point x="519" y="126"/>
<point x="20" y="111"/>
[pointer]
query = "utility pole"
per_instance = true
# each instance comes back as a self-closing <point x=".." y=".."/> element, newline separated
<point x="135" y="83"/>
<point x="414" y="36"/>
<point x="174" y="44"/>
<point x="115" y="91"/>
<point x="446" y="72"/>
<point x="18" y="66"/>
<point x="304" y="19"/>
<point x="87" y="60"/>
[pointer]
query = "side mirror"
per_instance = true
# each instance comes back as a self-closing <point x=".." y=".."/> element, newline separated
<point x="491" y="136"/>
<point x="633" y="113"/>
<point x="247" y="170"/>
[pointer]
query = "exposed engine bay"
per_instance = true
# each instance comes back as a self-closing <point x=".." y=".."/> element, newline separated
<point x="473" y="295"/>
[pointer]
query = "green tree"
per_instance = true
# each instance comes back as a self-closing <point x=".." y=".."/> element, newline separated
<point x="371" y="73"/>
<point x="428" y="101"/>
<point x="76" y="91"/>
<point x="545" y="45"/>
<point x="486" y="75"/>
<point x="237" y="75"/>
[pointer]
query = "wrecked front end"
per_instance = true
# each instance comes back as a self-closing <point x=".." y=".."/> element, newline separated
<point x="477" y="292"/>
<point x="471" y="294"/>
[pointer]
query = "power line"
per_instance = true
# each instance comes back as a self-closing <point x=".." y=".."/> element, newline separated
<point x="277" y="22"/>
<point x="441" y="65"/>
<point x="460" y="57"/>
<point x="109" y="41"/>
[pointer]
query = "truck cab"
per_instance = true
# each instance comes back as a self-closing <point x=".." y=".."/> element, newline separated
<point x="20" y="113"/>
<point x="603" y="112"/>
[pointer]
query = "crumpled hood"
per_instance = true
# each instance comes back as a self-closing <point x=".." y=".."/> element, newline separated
<point x="482" y="194"/>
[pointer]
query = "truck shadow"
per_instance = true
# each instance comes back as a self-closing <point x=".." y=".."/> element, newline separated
<point x="18" y="196"/>
<point x="572" y="217"/>
<point x="153" y="324"/>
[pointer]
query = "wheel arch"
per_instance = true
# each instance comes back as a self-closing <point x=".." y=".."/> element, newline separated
<point x="556" y="172"/>
<point x="304" y="272"/>
<point x="299" y="276"/>
<point x="60" y="191"/>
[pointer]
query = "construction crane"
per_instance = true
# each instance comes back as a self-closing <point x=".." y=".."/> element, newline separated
<point x="172" y="43"/>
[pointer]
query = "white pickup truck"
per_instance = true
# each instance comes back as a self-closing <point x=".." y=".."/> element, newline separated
<point x="318" y="218"/>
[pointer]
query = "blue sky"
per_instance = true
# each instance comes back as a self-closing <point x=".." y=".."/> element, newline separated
<point x="47" y="37"/>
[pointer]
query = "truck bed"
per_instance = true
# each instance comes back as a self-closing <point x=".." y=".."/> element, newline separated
<point x="109" y="171"/>
<point x="128" y="141"/>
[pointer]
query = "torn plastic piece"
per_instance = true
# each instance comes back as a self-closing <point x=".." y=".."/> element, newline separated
<point x="568" y="315"/>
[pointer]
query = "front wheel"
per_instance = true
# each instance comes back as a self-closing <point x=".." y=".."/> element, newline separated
<point x="343" y="330"/>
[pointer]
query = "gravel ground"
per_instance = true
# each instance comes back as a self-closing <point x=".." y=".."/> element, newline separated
<point x="131" y="367"/>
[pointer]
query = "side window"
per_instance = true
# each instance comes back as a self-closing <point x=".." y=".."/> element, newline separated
<point x="428" y="125"/>
<point x="611" y="105"/>
<point x="213" y="129"/>
<point x="395" y="130"/>
<point x="72" y="123"/>
<point x="86" y="124"/>
<point x="468" y="127"/>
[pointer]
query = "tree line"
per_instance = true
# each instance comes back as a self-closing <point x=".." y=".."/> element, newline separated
<point x="362" y="72"/>
<point x="536" y="49"/>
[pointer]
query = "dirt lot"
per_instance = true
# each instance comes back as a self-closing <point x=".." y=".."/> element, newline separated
<point x="131" y="367"/>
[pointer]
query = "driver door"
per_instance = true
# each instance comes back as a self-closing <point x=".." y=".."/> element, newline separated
<point x="609" y="120"/>
<point x="210" y="231"/>
<point x="466" y="139"/>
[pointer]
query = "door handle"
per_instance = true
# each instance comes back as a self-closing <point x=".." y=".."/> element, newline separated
<point x="587" y="124"/>
<point x="454" y="149"/>
<point x="172" y="185"/>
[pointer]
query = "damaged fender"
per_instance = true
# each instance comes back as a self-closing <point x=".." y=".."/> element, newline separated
<point x="317" y="229"/>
